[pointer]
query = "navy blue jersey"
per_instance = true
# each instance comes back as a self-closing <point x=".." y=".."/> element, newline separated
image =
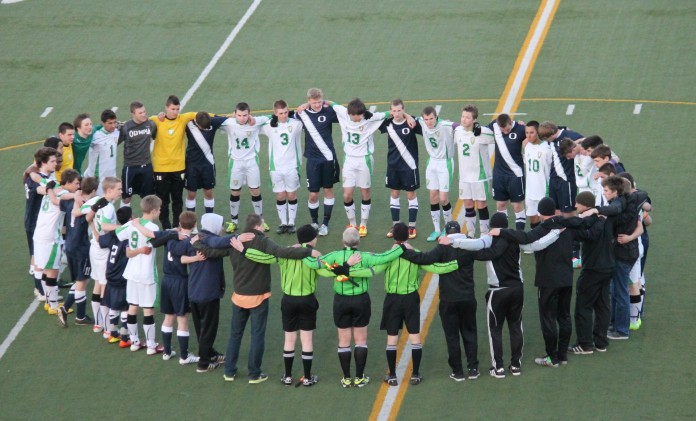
<point x="76" y="230"/>
<point x="33" y="203"/>
<point x="199" y="149"/>
<point x="513" y="141"/>
<point x="568" y="165"/>
<point x="172" y="261"/>
<point x="117" y="258"/>
<point x="317" y="128"/>
<point x="403" y="144"/>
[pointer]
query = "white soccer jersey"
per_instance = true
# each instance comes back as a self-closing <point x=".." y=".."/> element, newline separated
<point x="243" y="140"/>
<point x="584" y="169"/>
<point x="141" y="268"/>
<point x="101" y="160"/>
<point x="105" y="215"/>
<point x="284" y="145"/>
<point x="439" y="141"/>
<point x="471" y="161"/>
<point x="357" y="138"/>
<point x="537" y="162"/>
<point x="49" y="223"/>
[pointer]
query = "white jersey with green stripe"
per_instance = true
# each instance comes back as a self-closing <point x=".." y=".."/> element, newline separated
<point x="101" y="159"/>
<point x="584" y="171"/>
<point x="439" y="141"/>
<point x="537" y="162"/>
<point x="105" y="215"/>
<point x="141" y="268"/>
<point x="243" y="139"/>
<point x="49" y="223"/>
<point x="284" y="145"/>
<point x="358" y="137"/>
<point x="472" y="166"/>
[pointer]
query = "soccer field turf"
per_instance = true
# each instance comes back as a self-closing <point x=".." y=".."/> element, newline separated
<point x="626" y="68"/>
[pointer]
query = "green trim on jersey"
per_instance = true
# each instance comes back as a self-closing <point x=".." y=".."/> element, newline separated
<point x="359" y="285"/>
<point x="368" y="162"/>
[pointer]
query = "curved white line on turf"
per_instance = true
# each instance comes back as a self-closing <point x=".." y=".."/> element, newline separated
<point x="10" y="2"/>
<point x="204" y="74"/>
<point x="18" y="327"/>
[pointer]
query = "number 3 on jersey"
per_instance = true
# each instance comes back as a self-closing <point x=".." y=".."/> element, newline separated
<point x="353" y="138"/>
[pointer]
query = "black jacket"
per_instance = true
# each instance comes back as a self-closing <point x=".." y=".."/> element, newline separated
<point x="454" y="286"/>
<point x="597" y="235"/>
<point x="503" y="263"/>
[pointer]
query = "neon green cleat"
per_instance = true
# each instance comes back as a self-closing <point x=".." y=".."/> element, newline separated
<point x="361" y="381"/>
<point x="346" y="382"/>
<point x="231" y="227"/>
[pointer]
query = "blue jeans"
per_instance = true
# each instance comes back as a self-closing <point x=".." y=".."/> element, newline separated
<point x="259" y="317"/>
<point x="620" y="301"/>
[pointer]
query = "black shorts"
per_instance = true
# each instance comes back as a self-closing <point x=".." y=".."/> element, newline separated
<point x="138" y="179"/>
<point x="200" y="176"/>
<point x="115" y="297"/>
<point x="322" y="174"/>
<point x="352" y="310"/>
<point x="174" y="296"/>
<point x="80" y="268"/>
<point x="30" y="242"/>
<point x="508" y="188"/>
<point x="399" y="310"/>
<point x="400" y="179"/>
<point x="563" y="194"/>
<point x="299" y="313"/>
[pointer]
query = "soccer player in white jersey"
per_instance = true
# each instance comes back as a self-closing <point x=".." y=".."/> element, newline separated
<point x="284" y="161"/>
<point x="47" y="235"/>
<point x="584" y="169"/>
<point x="439" y="142"/>
<point x="472" y="169"/>
<point x="537" y="162"/>
<point x="141" y="275"/>
<point x="358" y="146"/>
<point x="243" y="150"/>
<point x="101" y="159"/>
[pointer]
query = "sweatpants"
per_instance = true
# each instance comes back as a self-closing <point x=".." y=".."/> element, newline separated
<point x="459" y="321"/>
<point x="554" y="314"/>
<point x="505" y="304"/>
<point x="592" y="295"/>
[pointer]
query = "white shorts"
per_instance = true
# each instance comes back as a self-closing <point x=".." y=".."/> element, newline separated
<point x="357" y="172"/>
<point x="438" y="174"/>
<point x="244" y="172"/>
<point x="141" y="295"/>
<point x="532" y="206"/>
<point x="47" y="255"/>
<point x="98" y="258"/>
<point x="473" y="190"/>
<point x="285" y="180"/>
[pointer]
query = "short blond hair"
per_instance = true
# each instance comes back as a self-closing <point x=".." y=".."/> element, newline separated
<point x="315" y="93"/>
<point x="150" y="203"/>
<point x="109" y="183"/>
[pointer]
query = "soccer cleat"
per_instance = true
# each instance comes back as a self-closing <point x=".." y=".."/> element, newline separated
<point x="167" y="357"/>
<point x="577" y="263"/>
<point x="580" y="350"/>
<point x="391" y="380"/>
<point x="412" y="233"/>
<point x="545" y="362"/>
<point x="266" y="228"/>
<point x="97" y="329"/>
<point x="157" y="349"/>
<point x="85" y="321"/>
<point x="498" y="373"/>
<point x="309" y="381"/>
<point x="362" y="230"/>
<point x="136" y="347"/>
<point x="635" y="325"/>
<point x="416" y="379"/>
<point x="433" y="236"/>
<point x="124" y="344"/>
<point x="231" y="227"/>
<point x="39" y="296"/>
<point x="323" y="230"/>
<point x="210" y="367"/>
<point x="361" y="381"/>
<point x="190" y="359"/>
<point x="258" y="379"/>
<point x="616" y="335"/>
<point x="474" y="373"/>
<point x="351" y="226"/>
<point x="390" y="234"/>
<point x="515" y="371"/>
<point x="457" y="377"/>
<point x="113" y="339"/>
<point x="286" y="380"/>
<point x="346" y="382"/>
<point x="62" y="314"/>
<point x="291" y="229"/>
<point x="282" y="229"/>
<point x="226" y="377"/>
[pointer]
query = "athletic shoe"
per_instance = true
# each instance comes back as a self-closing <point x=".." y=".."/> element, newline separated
<point x="314" y="225"/>
<point x="124" y="344"/>
<point x="346" y="382"/>
<point x="412" y="233"/>
<point x="106" y="334"/>
<point x="231" y="227"/>
<point x="545" y="362"/>
<point x="157" y="349"/>
<point x="190" y="359"/>
<point x="577" y="263"/>
<point x="282" y="229"/>
<point x="309" y="381"/>
<point x="433" y="236"/>
<point x="226" y="377"/>
<point x="580" y="350"/>
<point x="62" y="314"/>
<point x="217" y="358"/>
<point x="497" y="373"/>
<point x="167" y="357"/>
<point x="515" y="371"/>
<point x="457" y="377"/>
<point x="362" y="230"/>
<point x="290" y="229"/>
<point x="391" y="380"/>
<point x="600" y="349"/>
<point x="258" y="379"/>
<point x="416" y="379"/>
<point x="112" y="339"/>
<point x="616" y="335"/>
<point x="323" y="230"/>
<point x="47" y="307"/>
<point x="39" y="296"/>
<point x="136" y="347"/>
<point x="266" y="228"/>
<point x="286" y="380"/>
<point x="210" y="367"/>
<point x="635" y="325"/>
<point x="97" y="329"/>
<point x="390" y="234"/>
<point x="361" y="381"/>
<point x="85" y="321"/>
<point x="474" y="373"/>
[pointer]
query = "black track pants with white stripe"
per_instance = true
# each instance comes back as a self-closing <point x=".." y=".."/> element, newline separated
<point x="505" y="304"/>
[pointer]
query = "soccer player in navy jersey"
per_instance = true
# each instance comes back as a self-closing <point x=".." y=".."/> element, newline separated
<point x="200" y="162"/>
